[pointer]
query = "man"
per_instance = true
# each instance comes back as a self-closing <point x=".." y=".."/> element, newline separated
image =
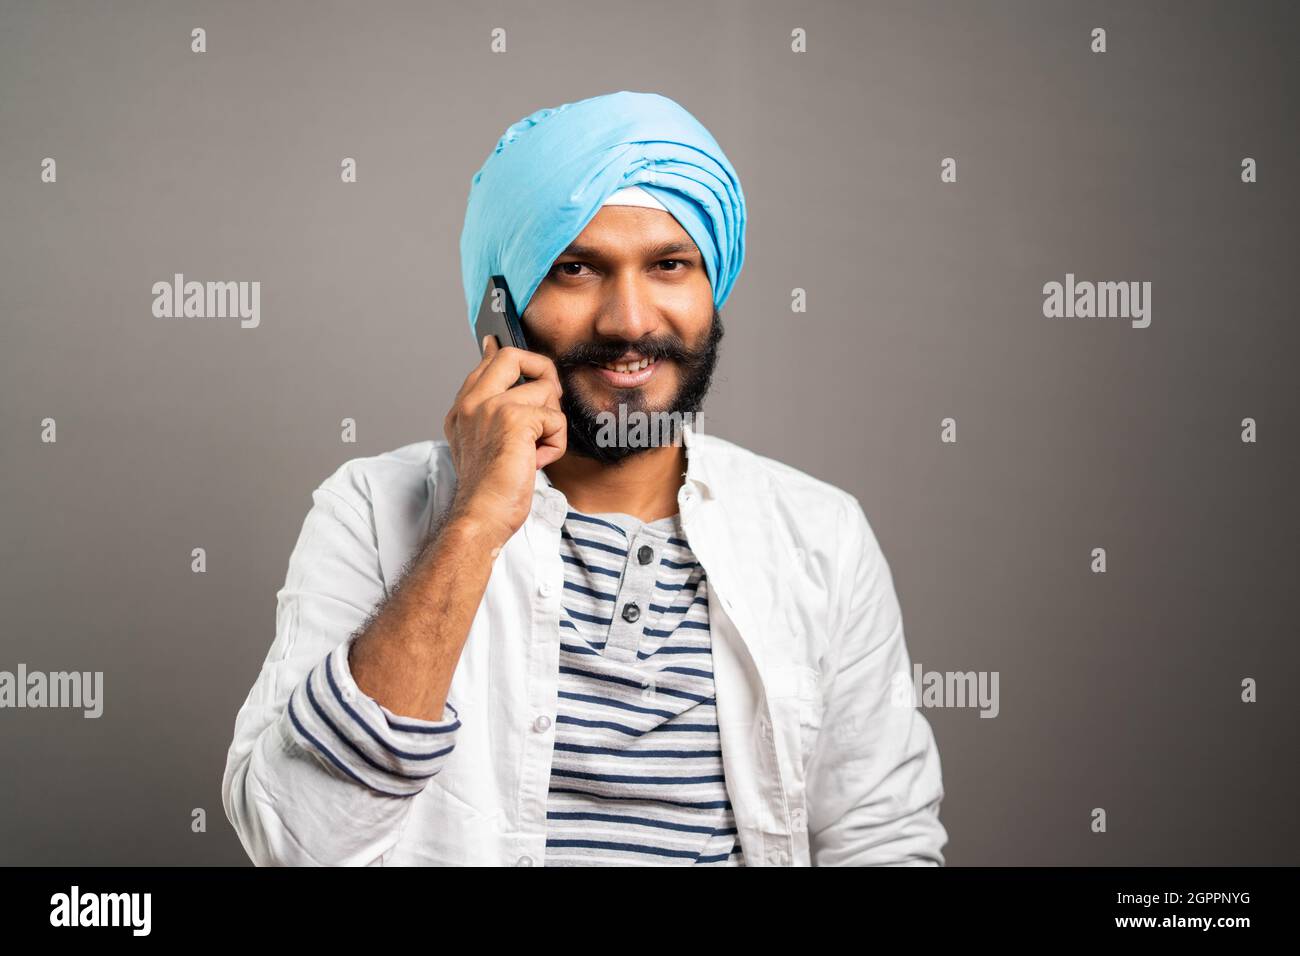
<point x="530" y="644"/>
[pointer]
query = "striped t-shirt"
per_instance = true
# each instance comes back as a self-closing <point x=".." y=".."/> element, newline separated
<point x="636" y="777"/>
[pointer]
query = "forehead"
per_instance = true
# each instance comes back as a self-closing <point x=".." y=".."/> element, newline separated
<point x="631" y="229"/>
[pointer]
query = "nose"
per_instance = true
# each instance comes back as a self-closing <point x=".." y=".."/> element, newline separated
<point x="629" y="310"/>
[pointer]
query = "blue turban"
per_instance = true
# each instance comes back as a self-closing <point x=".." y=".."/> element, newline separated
<point x="551" y="171"/>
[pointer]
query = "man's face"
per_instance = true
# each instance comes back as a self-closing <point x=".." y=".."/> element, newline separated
<point x="632" y="291"/>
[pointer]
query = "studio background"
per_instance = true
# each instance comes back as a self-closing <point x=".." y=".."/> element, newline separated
<point x="1119" y="690"/>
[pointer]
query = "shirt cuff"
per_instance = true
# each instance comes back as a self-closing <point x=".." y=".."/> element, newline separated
<point x="356" y="736"/>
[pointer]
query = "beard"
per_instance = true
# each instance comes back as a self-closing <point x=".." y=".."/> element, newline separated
<point x="584" y="420"/>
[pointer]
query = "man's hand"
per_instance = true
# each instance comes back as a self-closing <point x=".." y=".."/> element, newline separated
<point x="500" y="436"/>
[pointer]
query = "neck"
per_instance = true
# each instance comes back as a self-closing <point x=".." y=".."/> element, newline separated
<point x="645" y="485"/>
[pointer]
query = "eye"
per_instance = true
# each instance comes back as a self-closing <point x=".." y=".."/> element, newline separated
<point x="681" y="262"/>
<point x="565" y="265"/>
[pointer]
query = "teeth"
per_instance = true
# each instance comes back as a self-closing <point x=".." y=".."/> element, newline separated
<point x="628" y="366"/>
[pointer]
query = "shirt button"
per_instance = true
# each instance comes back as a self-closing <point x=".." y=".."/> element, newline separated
<point x="631" y="612"/>
<point x="546" y="589"/>
<point x="524" y="861"/>
<point x="542" y="724"/>
<point x="645" y="554"/>
<point x="765" y="728"/>
<point x="797" y="819"/>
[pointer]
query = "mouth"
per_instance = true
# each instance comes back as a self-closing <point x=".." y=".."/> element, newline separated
<point x="627" y="373"/>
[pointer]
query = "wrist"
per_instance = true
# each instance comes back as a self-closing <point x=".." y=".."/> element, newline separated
<point x="475" y="527"/>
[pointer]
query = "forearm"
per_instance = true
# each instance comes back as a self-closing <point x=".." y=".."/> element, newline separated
<point x="407" y="654"/>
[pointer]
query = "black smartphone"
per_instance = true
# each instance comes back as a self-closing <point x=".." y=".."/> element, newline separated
<point x="497" y="317"/>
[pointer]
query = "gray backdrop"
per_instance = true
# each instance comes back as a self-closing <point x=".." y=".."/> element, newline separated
<point x="1119" y="690"/>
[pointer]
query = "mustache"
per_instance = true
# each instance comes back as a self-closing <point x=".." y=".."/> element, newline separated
<point x="599" y="353"/>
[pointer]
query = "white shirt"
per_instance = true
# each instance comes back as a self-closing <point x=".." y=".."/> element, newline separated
<point x="826" y="762"/>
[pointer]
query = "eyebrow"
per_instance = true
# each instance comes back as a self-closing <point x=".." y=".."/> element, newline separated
<point x="653" y="252"/>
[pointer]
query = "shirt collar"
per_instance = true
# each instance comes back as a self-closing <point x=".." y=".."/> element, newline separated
<point x="697" y="467"/>
<point x="697" y="462"/>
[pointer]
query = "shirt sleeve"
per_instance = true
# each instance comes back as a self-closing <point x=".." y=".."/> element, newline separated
<point x="356" y="736"/>
<point x="319" y="773"/>
<point x="875" y="777"/>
